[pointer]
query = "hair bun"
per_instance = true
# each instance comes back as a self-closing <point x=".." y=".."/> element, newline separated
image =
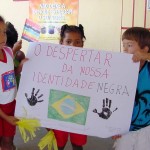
<point x="80" y="26"/>
<point x="63" y="28"/>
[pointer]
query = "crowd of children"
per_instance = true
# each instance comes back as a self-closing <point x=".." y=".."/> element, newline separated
<point x="136" y="41"/>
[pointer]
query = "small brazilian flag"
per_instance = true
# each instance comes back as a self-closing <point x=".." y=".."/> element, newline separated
<point x="68" y="107"/>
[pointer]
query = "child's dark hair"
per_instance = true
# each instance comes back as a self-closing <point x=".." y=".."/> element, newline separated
<point x="12" y="35"/>
<point x="138" y="34"/>
<point x="71" y="28"/>
<point x="2" y="19"/>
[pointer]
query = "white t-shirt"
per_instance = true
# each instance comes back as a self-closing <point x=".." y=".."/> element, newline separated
<point x="7" y="80"/>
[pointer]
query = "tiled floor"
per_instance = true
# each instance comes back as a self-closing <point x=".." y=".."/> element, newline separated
<point x="92" y="144"/>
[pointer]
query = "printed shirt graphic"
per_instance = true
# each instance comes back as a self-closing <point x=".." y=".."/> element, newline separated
<point x="141" y="112"/>
<point x="7" y="82"/>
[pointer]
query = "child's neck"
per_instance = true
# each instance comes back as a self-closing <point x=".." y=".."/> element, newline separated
<point x="142" y="64"/>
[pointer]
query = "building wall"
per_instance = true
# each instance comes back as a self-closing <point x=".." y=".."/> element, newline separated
<point x="102" y="19"/>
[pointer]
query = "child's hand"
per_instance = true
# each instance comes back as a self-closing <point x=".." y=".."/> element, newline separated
<point x="23" y="61"/>
<point x="12" y="120"/>
<point x="17" y="46"/>
<point x="116" y="137"/>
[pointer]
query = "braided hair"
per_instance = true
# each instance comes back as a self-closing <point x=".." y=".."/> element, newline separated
<point x="71" y="28"/>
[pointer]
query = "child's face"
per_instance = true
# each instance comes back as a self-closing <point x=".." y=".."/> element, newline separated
<point x="72" y="39"/>
<point x="3" y="36"/>
<point x="130" y="46"/>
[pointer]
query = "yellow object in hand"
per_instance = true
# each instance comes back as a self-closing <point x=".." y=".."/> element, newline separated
<point x="27" y="128"/>
<point x="48" y="140"/>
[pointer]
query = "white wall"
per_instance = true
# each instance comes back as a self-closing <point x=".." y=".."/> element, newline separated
<point x="101" y="19"/>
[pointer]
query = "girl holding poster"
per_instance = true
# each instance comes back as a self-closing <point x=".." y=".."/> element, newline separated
<point x="72" y="36"/>
<point x="7" y="92"/>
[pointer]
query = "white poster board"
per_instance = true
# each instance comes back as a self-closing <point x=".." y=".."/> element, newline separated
<point x="78" y="90"/>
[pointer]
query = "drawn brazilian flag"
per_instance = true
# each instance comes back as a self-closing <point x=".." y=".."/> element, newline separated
<point x="68" y="107"/>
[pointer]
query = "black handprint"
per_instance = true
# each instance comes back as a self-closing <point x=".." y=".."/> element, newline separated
<point x="33" y="99"/>
<point x="106" y="112"/>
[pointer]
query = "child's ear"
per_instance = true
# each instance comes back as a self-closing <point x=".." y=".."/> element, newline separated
<point x="146" y="49"/>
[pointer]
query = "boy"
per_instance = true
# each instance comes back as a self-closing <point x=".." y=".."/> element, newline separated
<point x="136" y="41"/>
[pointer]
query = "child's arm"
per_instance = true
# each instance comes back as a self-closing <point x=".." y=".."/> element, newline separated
<point x="17" y="46"/>
<point x="19" y="68"/>
<point x="139" y="55"/>
<point x="11" y="119"/>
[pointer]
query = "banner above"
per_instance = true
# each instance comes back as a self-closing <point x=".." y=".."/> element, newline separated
<point x="51" y="15"/>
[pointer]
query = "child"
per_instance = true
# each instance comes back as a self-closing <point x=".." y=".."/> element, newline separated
<point x="7" y="92"/>
<point x="136" y="41"/>
<point x="72" y="36"/>
<point x="12" y="37"/>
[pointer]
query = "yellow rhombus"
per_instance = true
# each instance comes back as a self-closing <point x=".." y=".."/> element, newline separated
<point x="75" y="110"/>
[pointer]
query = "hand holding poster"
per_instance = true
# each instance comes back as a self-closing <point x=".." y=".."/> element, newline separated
<point x="78" y="90"/>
